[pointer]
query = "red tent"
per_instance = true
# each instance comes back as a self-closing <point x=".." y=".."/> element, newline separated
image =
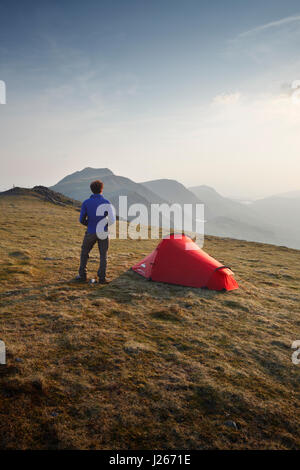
<point x="181" y="261"/>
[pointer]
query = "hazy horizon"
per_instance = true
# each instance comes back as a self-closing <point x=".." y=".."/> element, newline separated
<point x="241" y="197"/>
<point x="204" y="94"/>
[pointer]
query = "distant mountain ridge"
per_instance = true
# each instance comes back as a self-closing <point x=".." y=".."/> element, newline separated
<point x="172" y="191"/>
<point x="281" y="211"/>
<point x="221" y="206"/>
<point x="77" y="186"/>
<point x="289" y="194"/>
<point x="262" y="221"/>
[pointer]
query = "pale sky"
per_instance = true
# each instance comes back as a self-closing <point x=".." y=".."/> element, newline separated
<point x="198" y="92"/>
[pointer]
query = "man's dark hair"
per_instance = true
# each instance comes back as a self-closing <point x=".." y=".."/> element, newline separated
<point x="96" y="187"/>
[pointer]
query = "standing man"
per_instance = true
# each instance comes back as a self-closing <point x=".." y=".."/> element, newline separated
<point x="97" y="214"/>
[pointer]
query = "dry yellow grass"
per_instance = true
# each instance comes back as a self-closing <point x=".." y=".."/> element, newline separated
<point x="137" y="364"/>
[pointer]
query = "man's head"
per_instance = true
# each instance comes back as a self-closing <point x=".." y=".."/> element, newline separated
<point x="96" y="187"/>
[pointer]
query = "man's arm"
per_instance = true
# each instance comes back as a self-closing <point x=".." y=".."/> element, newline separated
<point x="83" y="218"/>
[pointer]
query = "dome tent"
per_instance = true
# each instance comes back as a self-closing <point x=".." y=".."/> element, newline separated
<point x="180" y="261"/>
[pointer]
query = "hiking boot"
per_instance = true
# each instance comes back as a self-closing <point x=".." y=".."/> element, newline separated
<point x="103" y="281"/>
<point x="80" y="278"/>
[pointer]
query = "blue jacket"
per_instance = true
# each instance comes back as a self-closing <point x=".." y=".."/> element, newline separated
<point x="89" y="211"/>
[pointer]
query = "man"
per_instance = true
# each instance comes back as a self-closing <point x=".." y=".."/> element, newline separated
<point x="96" y="213"/>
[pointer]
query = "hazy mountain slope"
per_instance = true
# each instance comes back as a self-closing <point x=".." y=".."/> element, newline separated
<point x="233" y="219"/>
<point x="223" y="216"/>
<point x="234" y="228"/>
<point x="258" y="221"/>
<point x="225" y="207"/>
<point x="177" y="193"/>
<point x="77" y="184"/>
<point x="172" y="191"/>
<point x="281" y="211"/>
<point x="137" y="364"/>
<point x="289" y="194"/>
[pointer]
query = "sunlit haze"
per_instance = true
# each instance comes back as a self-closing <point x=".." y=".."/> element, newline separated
<point x="205" y="93"/>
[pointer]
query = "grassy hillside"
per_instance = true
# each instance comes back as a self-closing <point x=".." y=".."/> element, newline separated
<point x="136" y="364"/>
<point x="42" y="193"/>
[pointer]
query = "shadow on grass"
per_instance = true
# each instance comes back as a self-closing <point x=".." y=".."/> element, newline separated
<point x="125" y="287"/>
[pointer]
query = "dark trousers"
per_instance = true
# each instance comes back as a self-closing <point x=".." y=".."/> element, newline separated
<point x="88" y="242"/>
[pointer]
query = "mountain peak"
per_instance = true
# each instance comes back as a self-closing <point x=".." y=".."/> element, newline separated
<point x="204" y="187"/>
<point x="89" y="169"/>
<point x="88" y="173"/>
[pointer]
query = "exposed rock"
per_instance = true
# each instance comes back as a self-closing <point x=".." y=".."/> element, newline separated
<point x="231" y="424"/>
